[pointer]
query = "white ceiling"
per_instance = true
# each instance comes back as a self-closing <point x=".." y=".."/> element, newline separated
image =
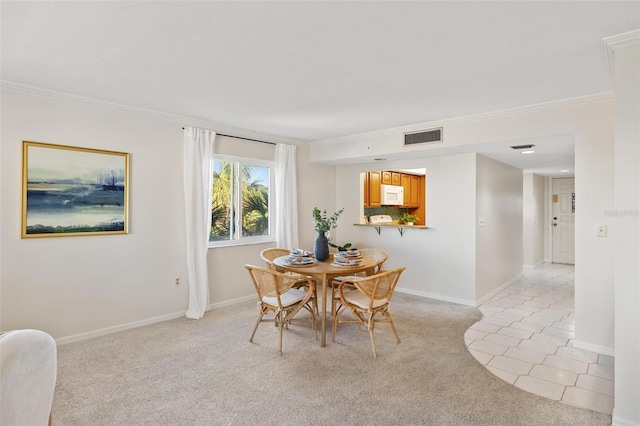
<point x="315" y="70"/>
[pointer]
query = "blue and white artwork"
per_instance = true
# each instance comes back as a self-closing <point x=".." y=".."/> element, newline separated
<point x="73" y="191"/>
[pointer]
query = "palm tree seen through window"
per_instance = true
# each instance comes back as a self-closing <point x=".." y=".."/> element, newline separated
<point x="240" y="200"/>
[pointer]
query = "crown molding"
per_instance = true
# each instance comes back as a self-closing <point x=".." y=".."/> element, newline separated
<point x="188" y="121"/>
<point x="545" y="106"/>
<point x="623" y="40"/>
<point x="618" y="41"/>
<point x="181" y="120"/>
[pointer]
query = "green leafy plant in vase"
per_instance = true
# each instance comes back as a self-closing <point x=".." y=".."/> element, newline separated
<point x="342" y="248"/>
<point x="323" y="223"/>
<point x="409" y="219"/>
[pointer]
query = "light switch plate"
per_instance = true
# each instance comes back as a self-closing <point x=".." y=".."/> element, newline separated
<point x="601" y="230"/>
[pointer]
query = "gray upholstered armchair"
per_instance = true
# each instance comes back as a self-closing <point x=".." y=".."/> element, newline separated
<point x="28" y="363"/>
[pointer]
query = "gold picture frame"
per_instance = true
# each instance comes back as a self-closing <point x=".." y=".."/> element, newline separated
<point x="71" y="191"/>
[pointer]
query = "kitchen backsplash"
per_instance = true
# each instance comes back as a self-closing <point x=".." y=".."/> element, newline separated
<point x="393" y="211"/>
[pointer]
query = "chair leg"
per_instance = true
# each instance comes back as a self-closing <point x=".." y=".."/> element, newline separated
<point x="316" y="312"/>
<point x="393" y="326"/>
<point x="256" y="327"/>
<point x="280" y="331"/>
<point x="313" y="325"/>
<point x="334" y="327"/>
<point x="373" y="342"/>
<point x="333" y="301"/>
<point x="313" y="319"/>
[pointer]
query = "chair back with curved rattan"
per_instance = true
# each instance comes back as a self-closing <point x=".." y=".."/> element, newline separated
<point x="271" y="284"/>
<point x="280" y="294"/>
<point x="268" y="255"/>
<point x="372" y="296"/>
<point x="379" y="255"/>
<point x="378" y="287"/>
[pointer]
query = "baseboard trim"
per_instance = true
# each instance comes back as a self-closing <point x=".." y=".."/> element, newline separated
<point x="436" y="297"/>
<point x="530" y="267"/>
<point x="147" y="321"/>
<point x="603" y="350"/>
<point x="231" y="302"/>
<point x="617" y="421"/>
<point x="116" y="328"/>
<point x="487" y="297"/>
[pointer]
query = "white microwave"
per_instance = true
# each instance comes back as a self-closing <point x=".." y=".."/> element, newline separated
<point x="392" y="195"/>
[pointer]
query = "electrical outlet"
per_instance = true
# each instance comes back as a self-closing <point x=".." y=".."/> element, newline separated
<point x="178" y="281"/>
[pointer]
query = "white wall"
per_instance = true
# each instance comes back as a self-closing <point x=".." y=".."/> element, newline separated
<point x="590" y="122"/>
<point x="533" y="219"/>
<point x="76" y="287"/>
<point x="499" y="241"/>
<point x="63" y="294"/>
<point x="627" y="231"/>
<point x="316" y="188"/>
<point x="594" y="305"/>
<point x="73" y="285"/>
<point x="452" y="260"/>
<point x="440" y="260"/>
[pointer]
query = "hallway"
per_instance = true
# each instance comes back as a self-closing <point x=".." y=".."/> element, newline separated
<point x="526" y="339"/>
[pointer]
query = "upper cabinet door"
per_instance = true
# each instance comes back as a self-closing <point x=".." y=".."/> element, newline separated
<point x="414" y="191"/>
<point x="396" y="178"/>
<point x="391" y="178"/>
<point x="365" y="192"/>
<point x="374" y="181"/>
<point x="411" y="185"/>
<point x="405" y="180"/>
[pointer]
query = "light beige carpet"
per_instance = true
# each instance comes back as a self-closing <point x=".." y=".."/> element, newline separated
<point x="205" y="372"/>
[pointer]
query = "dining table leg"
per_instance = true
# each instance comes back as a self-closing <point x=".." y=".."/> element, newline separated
<point x="323" y="342"/>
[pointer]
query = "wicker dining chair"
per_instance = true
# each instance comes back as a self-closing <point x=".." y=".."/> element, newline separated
<point x="372" y="296"/>
<point x="379" y="255"/>
<point x="268" y="255"/>
<point x="277" y="295"/>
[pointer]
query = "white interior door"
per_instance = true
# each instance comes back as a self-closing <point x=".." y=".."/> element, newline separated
<point x="563" y="220"/>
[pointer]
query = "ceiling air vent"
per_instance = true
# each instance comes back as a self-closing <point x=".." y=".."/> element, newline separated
<point x="425" y="136"/>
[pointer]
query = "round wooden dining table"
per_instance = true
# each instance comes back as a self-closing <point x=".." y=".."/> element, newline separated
<point x="325" y="271"/>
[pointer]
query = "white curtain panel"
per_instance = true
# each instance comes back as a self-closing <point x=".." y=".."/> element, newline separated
<point x="199" y="147"/>
<point x="286" y="196"/>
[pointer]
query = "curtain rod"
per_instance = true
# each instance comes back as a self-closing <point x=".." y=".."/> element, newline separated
<point x="247" y="139"/>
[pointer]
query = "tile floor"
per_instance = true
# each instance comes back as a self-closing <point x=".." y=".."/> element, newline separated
<point x="526" y="339"/>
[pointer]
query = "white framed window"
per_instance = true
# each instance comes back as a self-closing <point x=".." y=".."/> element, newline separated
<point x="242" y="197"/>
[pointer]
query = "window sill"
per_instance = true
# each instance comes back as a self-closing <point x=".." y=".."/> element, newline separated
<point x="239" y="243"/>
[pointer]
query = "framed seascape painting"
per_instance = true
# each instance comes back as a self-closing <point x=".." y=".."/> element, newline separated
<point x="70" y="191"/>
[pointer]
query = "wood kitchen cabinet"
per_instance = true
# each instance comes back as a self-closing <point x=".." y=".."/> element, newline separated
<point x="414" y="191"/>
<point x="391" y="178"/>
<point x="411" y="185"/>
<point x="406" y="185"/>
<point x="372" y="197"/>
